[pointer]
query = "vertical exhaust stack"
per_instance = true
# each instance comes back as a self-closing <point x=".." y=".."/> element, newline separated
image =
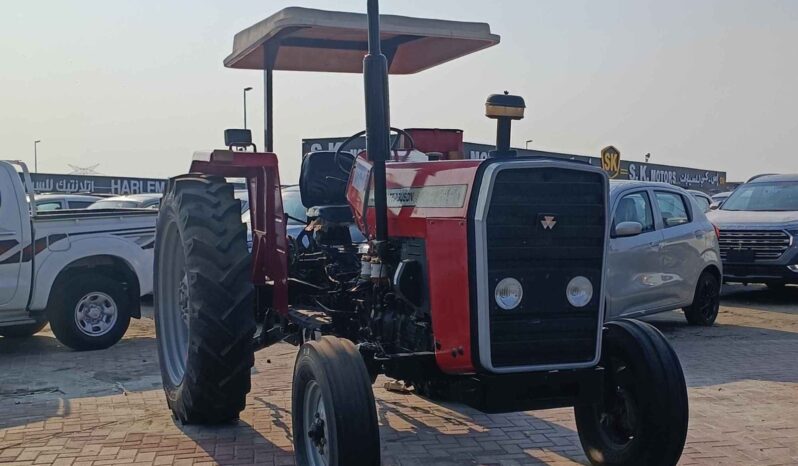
<point x="504" y="108"/>
<point x="375" y="77"/>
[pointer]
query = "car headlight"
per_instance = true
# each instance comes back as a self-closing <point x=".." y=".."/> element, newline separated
<point x="508" y="293"/>
<point x="579" y="291"/>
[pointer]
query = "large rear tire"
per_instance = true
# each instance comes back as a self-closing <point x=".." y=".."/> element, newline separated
<point x="333" y="411"/>
<point x="203" y="298"/>
<point x="642" y="419"/>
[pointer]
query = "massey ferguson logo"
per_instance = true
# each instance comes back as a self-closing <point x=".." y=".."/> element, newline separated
<point x="548" y="222"/>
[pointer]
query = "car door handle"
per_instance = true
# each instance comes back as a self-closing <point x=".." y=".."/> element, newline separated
<point x="7" y="233"/>
<point x="655" y="244"/>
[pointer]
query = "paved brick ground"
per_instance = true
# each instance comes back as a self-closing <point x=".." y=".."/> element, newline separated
<point x="61" y="407"/>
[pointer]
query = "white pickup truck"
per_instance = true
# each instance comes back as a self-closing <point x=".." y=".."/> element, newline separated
<point x="83" y="271"/>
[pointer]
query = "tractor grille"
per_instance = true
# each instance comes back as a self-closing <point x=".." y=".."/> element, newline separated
<point x="751" y="245"/>
<point x="545" y="328"/>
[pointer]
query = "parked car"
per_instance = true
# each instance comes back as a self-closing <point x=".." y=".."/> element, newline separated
<point x="292" y="206"/>
<point x="131" y="201"/>
<point x="243" y="196"/>
<point x="717" y="199"/>
<point x="758" y="230"/>
<point x="663" y="254"/>
<point x="296" y="215"/>
<point x="46" y="202"/>
<point x="703" y="199"/>
<point x="84" y="271"/>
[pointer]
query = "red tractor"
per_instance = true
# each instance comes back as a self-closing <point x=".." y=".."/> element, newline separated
<point x="480" y="281"/>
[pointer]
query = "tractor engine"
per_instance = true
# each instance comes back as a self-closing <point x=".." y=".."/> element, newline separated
<point x="491" y="266"/>
<point x="499" y="261"/>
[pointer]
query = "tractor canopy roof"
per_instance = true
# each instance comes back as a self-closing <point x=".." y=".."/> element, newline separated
<point x="304" y="39"/>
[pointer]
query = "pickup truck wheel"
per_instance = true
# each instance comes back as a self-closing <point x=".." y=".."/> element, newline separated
<point x="89" y="312"/>
<point x="706" y="301"/>
<point x="332" y="406"/>
<point x="643" y="415"/>
<point x="22" y="331"/>
<point x="204" y="301"/>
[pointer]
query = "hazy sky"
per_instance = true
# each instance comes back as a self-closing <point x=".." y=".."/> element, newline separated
<point x="137" y="86"/>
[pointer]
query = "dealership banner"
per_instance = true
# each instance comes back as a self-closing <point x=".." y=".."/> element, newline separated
<point x="53" y="183"/>
<point x="710" y="181"/>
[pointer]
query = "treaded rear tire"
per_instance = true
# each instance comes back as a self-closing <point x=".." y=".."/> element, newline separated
<point x="336" y="367"/>
<point x="655" y="388"/>
<point x="201" y="219"/>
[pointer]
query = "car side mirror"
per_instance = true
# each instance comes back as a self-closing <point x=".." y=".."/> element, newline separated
<point x="625" y="229"/>
<point x="714" y="206"/>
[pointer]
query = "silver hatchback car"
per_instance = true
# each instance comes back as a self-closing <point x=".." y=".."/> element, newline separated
<point x="663" y="254"/>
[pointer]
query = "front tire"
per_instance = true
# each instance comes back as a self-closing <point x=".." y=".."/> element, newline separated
<point x="89" y="311"/>
<point x="333" y="410"/>
<point x="642" y="419"/>
<point x="22" y="331"/>
<point x="706" y="301"/>
<point x="203" y="299"/>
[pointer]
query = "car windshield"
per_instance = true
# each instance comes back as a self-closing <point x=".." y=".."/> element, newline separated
<point x="292" y="205"/>
<point x="761" y="197"/>
<point x="113" y="204"/>
<point x="703" y="202"/>
<point x="243" y="196"/>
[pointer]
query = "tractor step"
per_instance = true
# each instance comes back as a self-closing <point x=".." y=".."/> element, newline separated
<point x="266" y="337"/>
<point x="310" y="319"/>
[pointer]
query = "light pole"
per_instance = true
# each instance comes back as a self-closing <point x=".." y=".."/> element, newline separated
<point x="246" y="89"/>
<point x="526" y="144"/>
<point x="36" y="156"/>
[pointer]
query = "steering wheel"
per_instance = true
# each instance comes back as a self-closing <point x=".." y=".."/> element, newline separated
<point x="339" y="153"/>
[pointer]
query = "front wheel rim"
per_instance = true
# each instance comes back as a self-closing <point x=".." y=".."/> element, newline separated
<point x="618" y="416"/>
<point x="314" y="416"/>
<point x="96" y="314"/>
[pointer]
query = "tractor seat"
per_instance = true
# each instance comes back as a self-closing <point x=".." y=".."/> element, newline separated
<point x="331" y="213"/>
<point x="321" y="181"/>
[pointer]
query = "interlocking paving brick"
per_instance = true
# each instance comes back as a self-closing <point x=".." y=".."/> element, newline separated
<point x="66" y="408"/>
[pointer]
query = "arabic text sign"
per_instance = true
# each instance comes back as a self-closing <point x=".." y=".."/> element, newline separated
<point x="679" y="176"/>
<point x="50" y="183"/>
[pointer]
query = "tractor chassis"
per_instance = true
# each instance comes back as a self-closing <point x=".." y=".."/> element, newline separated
<point x="488" y="393"/>
<point x="495" y="393"/>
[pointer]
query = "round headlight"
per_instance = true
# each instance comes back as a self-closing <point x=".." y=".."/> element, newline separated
<point x="579" y="291"/>
<point x="509" y="293"/>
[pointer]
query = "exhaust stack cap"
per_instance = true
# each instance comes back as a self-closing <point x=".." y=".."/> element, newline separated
<point x="505" y="106"/>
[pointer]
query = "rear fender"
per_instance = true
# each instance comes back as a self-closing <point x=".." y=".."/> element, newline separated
<point x="269" y="242"/>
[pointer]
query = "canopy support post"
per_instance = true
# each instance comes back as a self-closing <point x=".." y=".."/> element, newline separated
<point x="269" y="56"/>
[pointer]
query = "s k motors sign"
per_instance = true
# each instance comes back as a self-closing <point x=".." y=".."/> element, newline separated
<point x="688" y="178"/>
